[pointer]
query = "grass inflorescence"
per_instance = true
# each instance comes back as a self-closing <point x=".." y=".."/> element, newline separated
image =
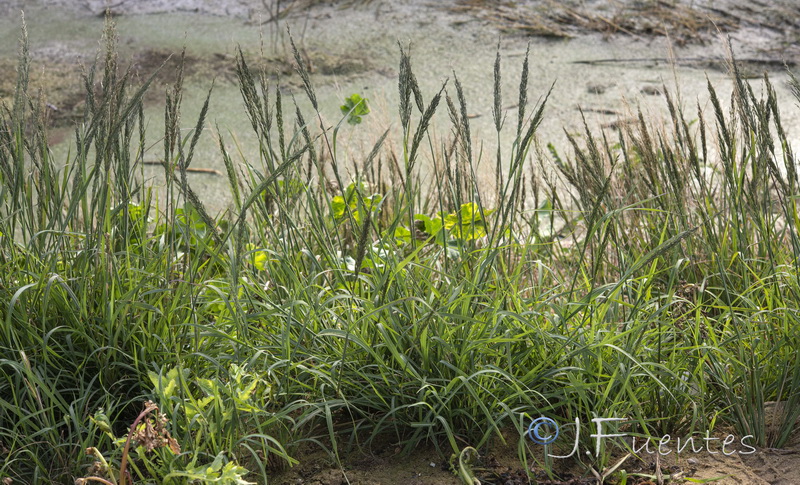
<point x="660" y="286"/>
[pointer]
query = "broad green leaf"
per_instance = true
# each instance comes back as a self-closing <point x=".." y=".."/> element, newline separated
<point x="337" y="207"/>
<point x="402" y="234"/>
<point x="258" y="258"/>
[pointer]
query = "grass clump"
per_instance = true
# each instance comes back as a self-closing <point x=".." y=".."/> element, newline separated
<point x="660" y="288"/>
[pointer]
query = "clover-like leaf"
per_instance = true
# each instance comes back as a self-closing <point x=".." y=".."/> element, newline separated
<point x="354" y="108"/>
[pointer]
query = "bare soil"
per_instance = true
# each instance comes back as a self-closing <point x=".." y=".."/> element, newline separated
<point x="386" y="464"/>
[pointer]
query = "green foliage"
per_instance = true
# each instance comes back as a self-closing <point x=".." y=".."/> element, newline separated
<point x="354" y="108"/>
<point x="217" y="472"/>
<point x="353" y="203"/>
<point x="466" y="224"/>
<point x="214" y="405"/>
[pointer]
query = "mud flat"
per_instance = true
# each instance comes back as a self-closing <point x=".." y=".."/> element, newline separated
<point x="602" y="61"/>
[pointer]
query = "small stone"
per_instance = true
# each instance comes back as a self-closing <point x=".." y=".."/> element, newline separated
<point x="595" y="89"/>
<point x="651" y="90"/>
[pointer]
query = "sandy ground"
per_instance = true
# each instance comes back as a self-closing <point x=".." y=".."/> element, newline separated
<point x="602" y="57"/>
